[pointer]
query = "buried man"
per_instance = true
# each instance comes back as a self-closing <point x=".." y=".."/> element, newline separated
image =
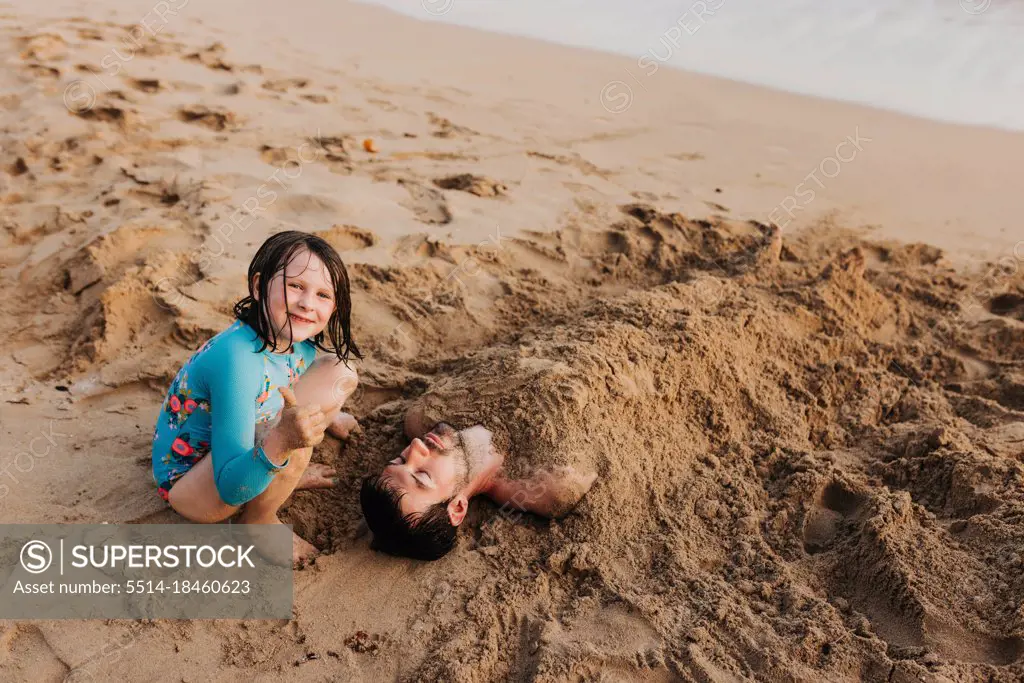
<point x="415" y="506"/>
<point x="636" y="386"/>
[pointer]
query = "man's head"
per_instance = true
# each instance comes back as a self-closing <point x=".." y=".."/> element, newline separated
<point x="415" y="506"/>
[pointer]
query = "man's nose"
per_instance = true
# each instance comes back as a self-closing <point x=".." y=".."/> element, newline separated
<point x="418" y="451"/>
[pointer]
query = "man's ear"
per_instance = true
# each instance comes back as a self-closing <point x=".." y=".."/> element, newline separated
<point x="457" y="509"/>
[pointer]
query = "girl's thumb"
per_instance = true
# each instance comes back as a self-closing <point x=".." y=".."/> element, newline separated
<point x="288" y="396"/>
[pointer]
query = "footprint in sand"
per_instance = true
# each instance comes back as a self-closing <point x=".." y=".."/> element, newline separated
<point x="428" y="204"/>
<point x="332" y="151"/>
<point x="1008" y="306"/>
<point x="43" y="47"/>
<point x="17" y="167"/>
<point x="214" y="118"/>
<point x="573" y="160"/>
<point x="43" y="71"/>
<point x="285" y="84"/>
<point x="106" y="111"/>
<point x="833" y="505"/>
<point x="212" y="57"/>
<point x="146" y="85"/>
<point x="348" y="237"/>
<point x="481" y="186"/>
<point x="411" y="249"/>
<point x="447" y="129"/>
<point x="90" y="34"/>
<point x="26" y="643"/>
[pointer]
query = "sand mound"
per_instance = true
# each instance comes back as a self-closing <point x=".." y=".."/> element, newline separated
<point x="788" y="489"/>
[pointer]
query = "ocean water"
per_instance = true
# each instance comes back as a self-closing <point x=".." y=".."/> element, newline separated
<point x="951" y="60"/>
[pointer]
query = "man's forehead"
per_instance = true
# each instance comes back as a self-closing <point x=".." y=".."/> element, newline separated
<point x="409" y="499"/>
<point x="388" y="479"/>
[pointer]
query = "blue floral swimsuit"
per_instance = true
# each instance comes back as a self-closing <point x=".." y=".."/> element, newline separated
<point x="216" y="400"/>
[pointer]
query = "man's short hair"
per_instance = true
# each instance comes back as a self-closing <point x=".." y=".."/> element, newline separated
<point x="423" y="536"/>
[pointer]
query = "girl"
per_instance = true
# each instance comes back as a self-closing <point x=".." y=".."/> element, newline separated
<point x="239" y="422"/>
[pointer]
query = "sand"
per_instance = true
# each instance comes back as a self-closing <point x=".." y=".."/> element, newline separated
<point x="808" y="439"/>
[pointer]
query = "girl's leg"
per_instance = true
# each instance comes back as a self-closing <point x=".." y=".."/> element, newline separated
<point x="327" y="383"/>
<point x="195" y="496"/>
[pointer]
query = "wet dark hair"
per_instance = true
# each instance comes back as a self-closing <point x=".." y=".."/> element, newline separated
<point x="272" y="257"/>
<point x="429" y="535"/>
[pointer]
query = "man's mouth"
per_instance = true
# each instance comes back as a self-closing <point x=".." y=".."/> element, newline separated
<point x="300" y="319"/>
<point x="434" y="440"/>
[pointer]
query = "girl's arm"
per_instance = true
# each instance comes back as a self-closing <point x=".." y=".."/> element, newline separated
<point x="241" y="468"/>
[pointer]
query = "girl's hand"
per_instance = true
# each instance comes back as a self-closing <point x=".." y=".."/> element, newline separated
<point x="299" y="426"/>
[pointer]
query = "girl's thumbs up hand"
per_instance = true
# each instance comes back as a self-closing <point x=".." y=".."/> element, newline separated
<point x="299" y="426"/>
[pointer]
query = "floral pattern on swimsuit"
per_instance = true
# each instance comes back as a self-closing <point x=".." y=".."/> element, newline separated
<point x="184" y="428"/>
<point x="187" y="448"/>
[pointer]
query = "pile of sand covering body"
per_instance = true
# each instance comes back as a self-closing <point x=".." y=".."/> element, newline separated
<point x="803" y="475"/>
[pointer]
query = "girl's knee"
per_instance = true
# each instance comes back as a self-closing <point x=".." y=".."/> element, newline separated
<point x="346" y="379"/>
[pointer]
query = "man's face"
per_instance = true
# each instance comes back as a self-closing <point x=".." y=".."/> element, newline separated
<point x="430" y="470"/>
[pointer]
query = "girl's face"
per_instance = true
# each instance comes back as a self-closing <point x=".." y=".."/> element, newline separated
<point x="307" y="296"/>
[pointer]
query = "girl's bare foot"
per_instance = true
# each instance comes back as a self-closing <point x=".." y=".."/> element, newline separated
<point x="342" y="426"/>
<point x="317" y="476"/>
<point x="271" y="550"/>
<point x="302" y="551"/>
